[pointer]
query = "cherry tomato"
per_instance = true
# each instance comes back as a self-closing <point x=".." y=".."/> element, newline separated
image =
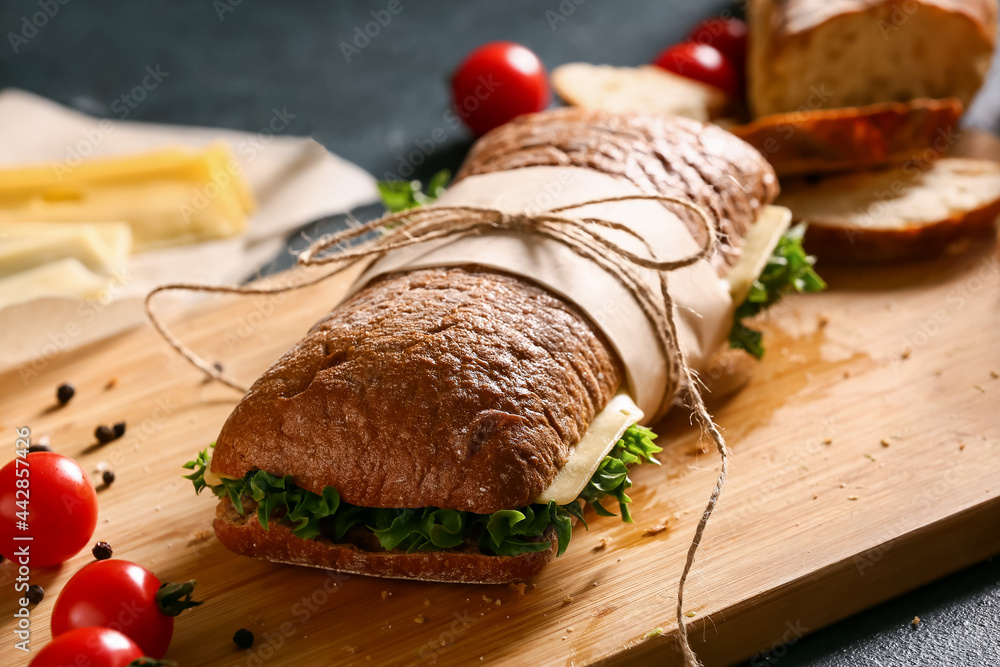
<point x="728" y="35"/>
<point x="496" y="83"/>
<point x="94" y="647"/>
<point x="124" y="596"/>
<point x="703" y="63"/>
<point x="52" y="496"/>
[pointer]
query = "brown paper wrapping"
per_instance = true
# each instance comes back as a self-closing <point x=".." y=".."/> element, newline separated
<point x="703" y="307"/>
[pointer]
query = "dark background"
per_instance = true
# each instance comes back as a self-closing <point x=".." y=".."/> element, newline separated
<point x="231" y="62"/>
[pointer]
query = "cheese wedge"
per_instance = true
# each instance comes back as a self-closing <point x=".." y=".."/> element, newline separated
<point x="168" y="197"/>
<point x="605" y="430"/>
<point x="101" y="247"/>
<point x="66" y="277"/>
<point x="761" y="240"/>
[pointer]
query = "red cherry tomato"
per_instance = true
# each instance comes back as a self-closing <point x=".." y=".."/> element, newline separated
<point x="123" y="596"/>
<point x="703" y="63"/>
<point x="728" y="35"/>
<point x="496" y="83"/>
<point x="94" y="647"/>
<point x="52" y="495"/>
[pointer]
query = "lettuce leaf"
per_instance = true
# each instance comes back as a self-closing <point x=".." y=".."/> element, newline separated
<point x="506" y="532"/>
<point x="404" y="195"/>
<point x="789" y="269"/>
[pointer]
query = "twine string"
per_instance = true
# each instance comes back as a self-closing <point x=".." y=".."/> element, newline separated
<point x="430" y="223"/>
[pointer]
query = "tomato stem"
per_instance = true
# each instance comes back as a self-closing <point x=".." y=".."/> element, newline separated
<point x="175" y="598"/>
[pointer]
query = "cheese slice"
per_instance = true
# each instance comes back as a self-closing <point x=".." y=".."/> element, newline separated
<point x="761" y="240"/>
<point x="66" y="277"/>
<point x="605" y="430"/>
<point x="168" y="197"/>
<point x="214" y="479"/>
<point x="101" y="247"/>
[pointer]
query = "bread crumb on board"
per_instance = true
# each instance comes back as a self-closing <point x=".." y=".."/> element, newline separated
<point x="420" y="619"/>
<point x="603" y="543"/>
<point x="655" y="530"/>
<point x="852" y="497"/>
<point x="386" y="594"/>
<point x="822" y="320"/>
<point x="995" y="374"/>
<point x="885" y="442"/>
<point x="915" y="622"/>
<point x="200" y="535"/>
<point x="568" y="599"/>
<point x="351" y="650"/>
<point x="906" y="353"/>
<point x="520" y="588"/>
<point x="827" y="440"/>
<point x="111" y="384"/>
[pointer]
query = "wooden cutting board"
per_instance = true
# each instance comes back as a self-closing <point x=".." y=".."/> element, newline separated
<point x="866" y="463"/>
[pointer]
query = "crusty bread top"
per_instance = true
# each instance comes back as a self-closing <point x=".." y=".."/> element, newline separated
<point x="797" y="16"/>
<point x="898" y="198"/>
<point x="454" y="388"/>
<point x="659" y="154"/>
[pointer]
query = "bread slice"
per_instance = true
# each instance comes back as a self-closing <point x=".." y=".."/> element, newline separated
<point x="827" y="140"/>
<point x="646" y="88"/>
<point x="243" y="534"/>
<point x="898" y="213"/>
<point x="812" y="54"/>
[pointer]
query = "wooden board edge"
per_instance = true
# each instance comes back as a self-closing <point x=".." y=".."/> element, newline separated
<point x="776" y="619"/>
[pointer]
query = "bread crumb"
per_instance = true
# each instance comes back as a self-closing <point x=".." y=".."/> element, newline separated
<point x="655" y="530"/>
<point x="885" y="442"/>
<point x="349" y="649"/>
<point x="869" y="457"/>
<point x="915" y="622"/>
<point x="602" y="543"/>
<point x="386" y="594"/>
<point x="568" y="599"/>
<point x="519" y="588"/>
<point x="961" y="446"/>
<point x="690" y="614"/>
<point x="419" y="618"/>
<point x="564" y="638"/>
<point x="994" y="374"/>
<point x="199" y="536"/>
<point x="828" y="441"/>
<point x="977" y="387"/>
<point x="822" y="320"/>
<point x="487" y="600"/>
<point x="847" y="374"/>
<point x="427" y="603"/>
<point x="852" y="497"/>
<point x="569" y="629"/>
<point x="497" y="602"/>
<point x="843" y="485"/>
<point x="111" y="384"/>
<point x="815" y="496"/>
<point x="906" y="353"/>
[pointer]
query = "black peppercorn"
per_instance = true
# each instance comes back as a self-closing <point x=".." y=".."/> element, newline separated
<point x="107" y="476"/>
<point x="119" y="429"/>
<point x="102" y="551"/>
<point x="39" y="448"/>
<point x="64" y="393"/>
<point x="243" y="638"/>
<point x="104" y="434"/>
<point x="35" y="594"/>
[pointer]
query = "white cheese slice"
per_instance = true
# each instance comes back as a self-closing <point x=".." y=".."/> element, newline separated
<point x="214" y="479"/>
<point x="607" y="428"/>
<point x="761" y="240"/>
<point x="101" y="247"/>
<point x="66" y="277"/>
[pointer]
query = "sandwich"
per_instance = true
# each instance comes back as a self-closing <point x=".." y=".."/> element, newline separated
<point x="453" y="423"/>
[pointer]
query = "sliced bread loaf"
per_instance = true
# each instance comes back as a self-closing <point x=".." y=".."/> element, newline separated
<point x="907" y="212"/>
<point x="809" y="54"/>
<point x="825" y="140"/>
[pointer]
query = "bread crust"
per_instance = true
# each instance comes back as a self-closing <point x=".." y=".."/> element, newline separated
<point x="457" y="388"/>
<point x="659" y="154"/>
<point x="243" y="534"/>
<point x="830" y="140"/>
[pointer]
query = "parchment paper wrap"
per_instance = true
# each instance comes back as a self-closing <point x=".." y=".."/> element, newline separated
<point x="703" y="307"/>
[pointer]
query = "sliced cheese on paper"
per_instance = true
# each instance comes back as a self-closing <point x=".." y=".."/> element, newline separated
<point x="605" y="430"/>
<point x="101" y="247"/>
<point x="761" y="240"/>
<point x="66" y="277"/>
<point x="168" y="197"/>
